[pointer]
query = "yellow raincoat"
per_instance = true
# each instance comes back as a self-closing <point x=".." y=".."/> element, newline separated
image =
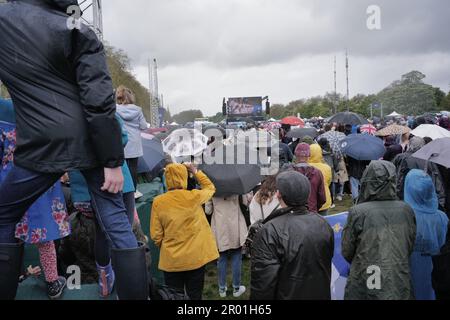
<point x="178" y="223"/>
<point x="316" y="160"/>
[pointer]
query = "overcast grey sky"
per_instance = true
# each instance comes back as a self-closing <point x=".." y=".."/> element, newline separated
<point x="210" y="49"/>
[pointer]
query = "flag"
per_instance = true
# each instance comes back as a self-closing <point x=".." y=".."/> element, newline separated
<point x="340" y="267"/>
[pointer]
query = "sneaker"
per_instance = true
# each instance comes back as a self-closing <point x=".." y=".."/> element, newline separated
<point x="137" y="194"/>
<point x="223" y="292"/>
<point x="333" y="206"/>
<point x="339" y="198"/>
<point x="56" y="288"/>
<point x="239" y="292"/>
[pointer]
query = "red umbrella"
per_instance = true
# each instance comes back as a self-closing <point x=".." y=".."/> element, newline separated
<point x="293" y="121"/>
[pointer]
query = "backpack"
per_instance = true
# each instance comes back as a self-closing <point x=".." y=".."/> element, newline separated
<point x="253" y="231"/>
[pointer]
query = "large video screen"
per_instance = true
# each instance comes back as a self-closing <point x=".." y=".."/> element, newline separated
<point x="245" y="106"/>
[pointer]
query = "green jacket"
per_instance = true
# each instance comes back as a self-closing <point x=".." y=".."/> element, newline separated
<point x="379" y="235"/>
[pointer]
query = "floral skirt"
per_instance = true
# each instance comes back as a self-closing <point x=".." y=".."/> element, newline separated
<point x="46" y="220"/>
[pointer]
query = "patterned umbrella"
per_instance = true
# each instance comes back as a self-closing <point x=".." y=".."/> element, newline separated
<point x="185" y="143"/>
<point x="393" y="130"/>
<point x="369" y="129"/>
<point x="334" y="138"/>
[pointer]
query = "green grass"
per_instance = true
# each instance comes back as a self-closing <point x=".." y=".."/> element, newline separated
<point x="211" y="290"/>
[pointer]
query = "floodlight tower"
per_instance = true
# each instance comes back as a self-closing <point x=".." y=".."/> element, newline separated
<point x="93" y="9"/>
<point x="154" y="94"/>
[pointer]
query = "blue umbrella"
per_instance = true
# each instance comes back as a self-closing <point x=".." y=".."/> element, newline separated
<point x="154" y="159"/>
<point x="363" y="147"/>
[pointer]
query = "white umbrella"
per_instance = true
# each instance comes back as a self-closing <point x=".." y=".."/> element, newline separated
<point x="431" y="131"/>
<point x="185" y="143"/>
<point x="394" y="114"/>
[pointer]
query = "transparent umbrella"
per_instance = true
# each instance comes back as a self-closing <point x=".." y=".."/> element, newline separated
<point x="184" y="143"/>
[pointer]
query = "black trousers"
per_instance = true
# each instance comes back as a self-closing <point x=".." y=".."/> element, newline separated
<point x="133" y="166"/>
<point x="190" y="281"/>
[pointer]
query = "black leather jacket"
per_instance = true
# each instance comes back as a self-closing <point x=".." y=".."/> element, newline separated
<point x="292" y="256"/>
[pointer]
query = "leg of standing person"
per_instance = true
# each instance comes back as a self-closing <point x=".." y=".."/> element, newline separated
<point x="341" y="189"/>
<point x="20" y="189"/>
<point x="55" y="283"/>
<point x="128" y="257"/>
<point x="174" y="280"/>
<point x="102" y="250"/>
<point x="236" y="266"/>
<point x="195" y="281"/>
<point x="222" y="273"/>
<point x="355" y="187"/>
<point x="133" y="166"/>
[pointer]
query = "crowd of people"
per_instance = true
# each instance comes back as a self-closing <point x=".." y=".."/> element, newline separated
<point x="68" y="127"/>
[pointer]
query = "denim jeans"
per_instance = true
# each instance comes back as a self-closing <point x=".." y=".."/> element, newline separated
<point x="22" y="187"/>
<point x="340" y="189"/>
<point x="236" y="263"/>
<point x="102" y="245"/>
<point x="354" y="183"/>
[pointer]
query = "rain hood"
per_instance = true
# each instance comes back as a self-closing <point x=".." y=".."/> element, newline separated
<point x="129" y="112"/>
<point x="176" y="177"/>
<point x="420" y="194"/>
<point x="378" y="182"/>
<point x="316" y="154"/>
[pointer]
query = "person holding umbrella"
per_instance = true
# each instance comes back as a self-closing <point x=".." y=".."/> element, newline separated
<point x="179" y="228"/>
<point x="230" y="230"/>
<point x="405" y="162"/>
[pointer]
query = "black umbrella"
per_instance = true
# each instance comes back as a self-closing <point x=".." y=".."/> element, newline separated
<point x="303" y="132"/>
<point x="437" y="151"/>
<point x="233" y="179"/>
<point x="351" y="118"/>
<point x="154" y="159"/>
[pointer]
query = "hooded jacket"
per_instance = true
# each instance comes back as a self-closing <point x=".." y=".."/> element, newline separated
<point x="432" y="226"/>
<point x="179" y="225"/>
<point x="134" y="123"/>
<point x="316" y="160"/>
<point x="61" y="89"/>
<point x="317" y="196"/>
<point x="380" y="233"/>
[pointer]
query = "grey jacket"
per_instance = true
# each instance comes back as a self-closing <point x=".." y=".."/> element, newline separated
<point x="135" y="122"/>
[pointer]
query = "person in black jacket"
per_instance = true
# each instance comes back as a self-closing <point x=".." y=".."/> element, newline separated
<point x="292" y="253"/>
<point x="57" y="77"/>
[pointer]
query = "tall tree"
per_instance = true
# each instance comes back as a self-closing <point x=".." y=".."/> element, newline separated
<point x="120" y="68"/>
<point x="187" y="116"/>
<point x="410" y="95"/>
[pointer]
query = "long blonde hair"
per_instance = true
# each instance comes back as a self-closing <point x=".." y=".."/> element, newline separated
<point x="124" y="95"/>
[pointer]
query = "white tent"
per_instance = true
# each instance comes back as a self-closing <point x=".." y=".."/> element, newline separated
<point x="394" y="115"/>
